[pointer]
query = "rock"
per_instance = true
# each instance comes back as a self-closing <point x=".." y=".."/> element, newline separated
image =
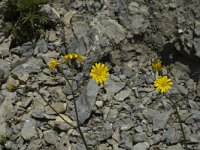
<point x="198" y="89"/>
<point x="52" y="36"/>
<point x="64" y="143"/>
<point x="38" y="112"/>
<point x="141" y="146"/>
<point x="8" y="144"/>
<point x="80" y="29"/>
<point x="2" y="129"/>
<point x="31" y="66"/>
<point x="197" y="30"/>
<point x="114" y="87"/>
<point x="50" y="137"/>
<point x="99" y="103"/>
<point x="25" y="50"/>
<point x="195" y="117"/>
<point x="182" y="89"/>
<point x="5" y="66"/>
<point x="5" y="108"/>
<point x="67" y="17"/>
<point x="41" y="47"/>
<point x="116" y="135"/>
<point x="171" y="136"/>
<point x="53" y="15"/>
<point x="139" y="129"/>
<point x="160" y="120"/>
<point x="28" y="131"/>
<point x="110" y="27"/>
<point x="155" y="139"/>
<point x="140" y="137"/>
<point x="122" y="95"/>
<point x="58" y="106"/>
<point x="149" y="114"/>
<point x="139" y="18"/>
<point x="105" y="132"/>
<point x="127" y="127"/>
<point x="59" y="123"/>
<point x="111" y="114"/>
<point x="197" y="46"/>
<point x="175" y="147"/>
<point x="87" y="100"/>
<point x="4" y="48"/>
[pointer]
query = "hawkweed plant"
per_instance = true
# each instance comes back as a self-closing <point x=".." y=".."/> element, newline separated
<point x="99" y="72"/>
<point x="163" y="84"/>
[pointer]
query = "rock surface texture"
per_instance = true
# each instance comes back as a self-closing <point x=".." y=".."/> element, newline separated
<point x="127" y="113"/>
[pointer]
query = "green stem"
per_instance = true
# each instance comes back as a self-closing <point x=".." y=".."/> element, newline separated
<point x="174" y="105"/>
<point x="77" y="118"/>
<point x="55" y="110"/>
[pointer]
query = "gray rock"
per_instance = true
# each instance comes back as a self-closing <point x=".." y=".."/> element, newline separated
<point x="195" y="117"/>
<point x="140" y="137"/>
<point x="175" y="147"/>
<point x="28" y="131"/>
<point x="60" y="124"/>
<point x="31" y="66"/>
<point x="50" y="137"/>
<point x="114" y="87"/>
<point x="5" y="46"/>
<point x="160" y="120"/>
<point x="110" y="27"/>
<point x="38" y="112"/>
<point x="78" y="45"/>
<point x="141" y="146"/>
<point x="182" y="89"/>
<point x="52" y="36"/>
<point x="5" y="66"/>
<point x="3" y="129"/>
<point x="139" y="129"/>
<point x="25" y="50"/>
<point x="155" y="139"/>
<point x="5" y="108"/>
<point x="80" y="29"/>
<point x="8" y="144"/>
<point x="58" y="106"/>
<point x="53" y="15"/>
<point x="197" y="29"/>
<point x="139" y="18"/>
<point x="122" y="95"/>
<point x="86" y="100"/>
<point x="198" y="89"/>
<point x="105" y="132"/>
<point x="67" y="17"/>
<point x="110" y="114"/>
<point x="41" y="47"/>
<point x="64" y="143"/>
<point x="116" y="135"/>
<point x="149" y="114"/>
<point x="171" y="136"/>
<point x="197" y="46"/>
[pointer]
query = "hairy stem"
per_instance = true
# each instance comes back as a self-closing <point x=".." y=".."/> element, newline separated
<point x="174" y="105"/>
<point x="77" y="118"/>
<point x="56" y="111"/>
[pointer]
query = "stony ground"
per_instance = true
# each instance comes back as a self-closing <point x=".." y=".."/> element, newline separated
<point x="127" y="35"/>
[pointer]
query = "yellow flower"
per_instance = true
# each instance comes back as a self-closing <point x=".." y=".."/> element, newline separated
<point x="10" y="87"/>
<point x="163" y="83"/>
<point x="53" y="64"/>
<point x="73" y="56"/>
<point x="99" y="73"/>
<point x="156" y="65"/>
